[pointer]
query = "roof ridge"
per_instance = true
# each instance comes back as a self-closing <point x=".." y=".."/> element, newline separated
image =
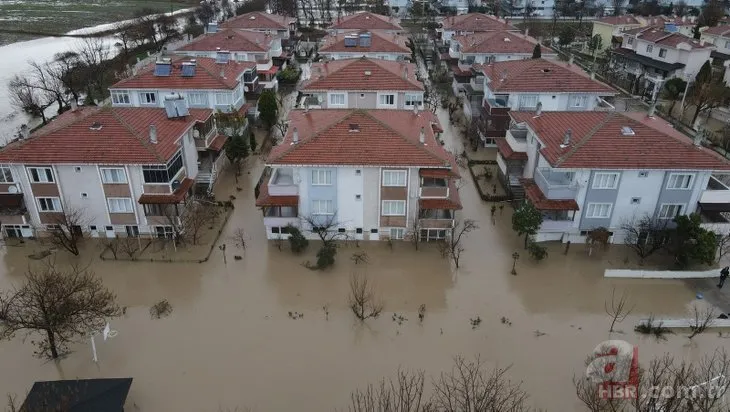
<point x="145" y="143"/>
<point x="597" y="127"/>
<point x="213" y="75"/>
<point x="314" y="134"/>
<point x="430" y="153"/>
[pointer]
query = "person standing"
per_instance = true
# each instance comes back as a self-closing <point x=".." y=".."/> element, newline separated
<point x="724" y="273"/>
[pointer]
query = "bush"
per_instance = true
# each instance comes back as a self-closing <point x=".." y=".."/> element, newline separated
<point x="488" y="174"/>
<point x="326" y="256"/>
<point x="289" y="75"/>
<point x="537" y="252"/>
<point x="297" y="241"/>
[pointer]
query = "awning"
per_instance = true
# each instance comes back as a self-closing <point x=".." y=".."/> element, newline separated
<point x="538" y="199"/>
<point x="218" y="142"/>
<point x="648" y="61"/>
<point x="168" y="198"/>
<point x="453" y="202"/>
<point x="719" y="56"/>
<point x="715" y="207"/>
<point x="506" y="151"/>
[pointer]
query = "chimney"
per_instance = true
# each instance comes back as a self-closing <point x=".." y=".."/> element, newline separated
<point x="698" y="139"/>
<point x="153" y="134"/>
<point x="415" y="110"/>
<point x="405" y="73"/>
<point x="593" y="75"/>
<point x="74" y="105"/>
<point x="527" y="31"/>
<point x="570" y="60"/>
<point x="223" y="73"/>
<point x="566" y="139"/>
<point x="538" y="109"/>
<point x="422" y="135"/>
<point x="295" y="136"/>
<point x="652" y="109"/>
<point x="24" y="131"/>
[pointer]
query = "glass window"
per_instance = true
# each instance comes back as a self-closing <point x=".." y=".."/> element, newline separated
<point x="153" y="209"/>
<point x="394" y="208"/>
<point x="148" y="98"/>
<point x="337" y="99"/>
<point x="120" y="205"/>
<point x="649" y="48"/>
<point x="670" y="211"/>
<point x="163" y="174"/>
<point x="49" y="204"/>
<point x="6" y="175"/>
<point x="386" y="100"/>
<point x="394" y="178"/>
<point x="120" y="97"/>
<point x="397" y="233"/>
<point x="197" y="99"/>
<point x="598" y="210"/>
<point x="322" y="207"/>
<point x="41" y="174"/>
<point x="113" y="175"/>
<point x="579" y="101"/>
<point x="321" y="177"/>
<point x="630" y="40"/>
<point x="528" y="101"/>
<point x="679" y="181"/>
<point x="222" y="99"/>
<point x="413" y="100"/>
<point x="605" y="180"/>
<point x="662" y="52"/>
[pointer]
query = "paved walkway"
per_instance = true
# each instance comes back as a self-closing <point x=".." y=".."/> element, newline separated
<point x="719" y="298"/>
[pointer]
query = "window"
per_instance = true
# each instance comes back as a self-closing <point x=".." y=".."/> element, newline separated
<point x="578" y="101"/>
<point x="223" y="99"/>
<point x="132" y="231"/>
<point x="630" y="40"/>
<point x="643" y="173"/>
<point x="394" y="208"/>
<point x="662" y="52"/>
<point x="77" y="169"/>
<point x="321" y="177"/>
<point x="374" y="231"/>
<point x="49" y="204"/>
<point x="598" y="210"/>
<point x="41" y="174"/>
<point x="120" y="97"/>
<point x="337" y="99"/>
<point x="84" y="195"/>
<point x="635" y="200"/>
<point x="413" y="100"/>
<point x="154" y="210"/>
<point x="197" y="99"/>
<point x="358" y="231"/>
<point x="358" y="197"/>
<point x="283" y="230"/>
<point x="394" y="178"/>
<point x="322" y="207"/>
<point x="396" y="233"/>
<point x="358" y="172"/>
<point x="341" y="230"/>
<point x="92" y="228"/>
<point x="528" y="101"/>
<point x="109" y="228"/>
<point x="605" y="181"/>
<point x="649" y="48"/>
<point x="386" y="100"/>
<point x="163" y="173"/>
<point x="6" y="175"/>
<point x="679" y="181"/>
<point x="670" y="211"/>
<point x="113" y="175"/>
<point x="147" y="98"/>
<point x="120" y="205"/>
<point x="164" y="232"/>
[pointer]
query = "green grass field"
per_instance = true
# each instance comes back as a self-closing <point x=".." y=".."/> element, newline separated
<point x="60" y="16"/>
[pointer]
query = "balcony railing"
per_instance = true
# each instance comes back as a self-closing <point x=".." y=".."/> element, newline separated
<point x="433" y="192"/>
<point x="517" y="140"/>
<point x="603" y="106"/>
<point x="435" y="218"/>
<point x="555" y="185"/>
<point x="716" y="192"/>
<point x="282" y="183"/>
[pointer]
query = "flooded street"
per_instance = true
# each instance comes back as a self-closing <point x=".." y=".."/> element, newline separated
<point x="230" y="342"/>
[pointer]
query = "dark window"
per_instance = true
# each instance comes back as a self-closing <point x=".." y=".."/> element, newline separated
<point x="276" y="230"/>
<point x="373" y="230"/>
<point x="285" y="230"/>
<point x="154" y="210"/>
<point x="92" y="227"/>
<point x="110" y="228"/>
<point x="132" y="231"/>
<point x="341" y="230"/>
<point x="163" y="174"/>
<point x="358" y="230"/>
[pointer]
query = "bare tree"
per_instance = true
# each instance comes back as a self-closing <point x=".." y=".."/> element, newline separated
<point x="617" y="308"/>
<point x="130" y="246"/>
<point x="68" y="228"/>
<point x="645" y="236"/>
<point x="67" y="69"/>
<point x="453" y="246"/>
<point x="363" y="300"/>
<point x="111" y="244"/>
<point x="701" y="320"/>
<point x="94" y="56"/>
<point x="723" y="247"/>
<point x="60" y="304"/>
<point x="404" y="394"/>
<point x="324" y="226"/>
<point x="195" y="218"/>
<point x="414" y="234"/>
<point x="240" y="237"/>
<point x="27" y="98"/>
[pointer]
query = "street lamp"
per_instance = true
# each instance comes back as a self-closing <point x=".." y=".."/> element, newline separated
<point x="515" y="256"/>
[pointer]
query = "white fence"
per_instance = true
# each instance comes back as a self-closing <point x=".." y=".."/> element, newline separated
<point x="685" y="323"/>
<point x="660" y="274"/>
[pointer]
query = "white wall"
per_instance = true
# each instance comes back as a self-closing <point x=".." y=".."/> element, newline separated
<point x="371" y="198"/>
<point x="73" y="183"/>
<point x="161" y="93"/>
<point x="414" y="185"/>
<point x="631" y="185"/>
<point x="190" y="154"/>
<point x="349" y="209"/>
<point x="373" y="55"/>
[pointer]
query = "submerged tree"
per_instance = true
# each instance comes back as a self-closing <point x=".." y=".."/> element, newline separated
<point x="362" y="299"/>
<point x="690" y="243"/>
<point x="67" y="230"/>
<point x="526" y="220"/>
<point x="645" y="236"/>
<point x="62" y="305"/>
<point x="269" y="108"/>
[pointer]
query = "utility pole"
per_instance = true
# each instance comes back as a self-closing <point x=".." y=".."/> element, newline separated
<point x="688" y="76"/>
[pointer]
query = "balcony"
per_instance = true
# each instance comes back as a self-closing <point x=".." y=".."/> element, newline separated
<point x="282" y="183"/>
<point x="716" y="192"/>
<point x="281" y="215"/>
<point x="13" y="210"/>
<point x="496" y="106"/>
<point x="433" y="188"/>
<point x="517" y="140"/>
<point x="556" y="185"/>
<point x="436" y="218"/>
<point x="603" y="105"/>
<point x="454" y="54"/>
<point x="557" y="220"/>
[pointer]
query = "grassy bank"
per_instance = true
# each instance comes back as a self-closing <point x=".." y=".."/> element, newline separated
<point x="25" y="20"/>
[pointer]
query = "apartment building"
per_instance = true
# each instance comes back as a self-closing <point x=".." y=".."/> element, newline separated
<point x="494" y="46"/>
<point x="281" y="26"/>
<point x="372" y="44"/>
<point x="125" y="170"/>
<point x="367" y="174"/>
<point x="585" y="170"/>
<point x="523" y="85"/>
<point x="654" y="54"/>
<point x="471" y="23"/>
<point x="611" y="30"/>
<point x="361" y="83"/>
<point x="242" y="45"/>
<point x="366" y="21"/>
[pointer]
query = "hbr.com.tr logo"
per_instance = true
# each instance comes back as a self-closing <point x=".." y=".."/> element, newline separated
<point x="615" y="368"/>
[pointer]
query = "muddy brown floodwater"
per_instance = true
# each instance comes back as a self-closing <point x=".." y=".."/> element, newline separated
<point x="229" y="341"/>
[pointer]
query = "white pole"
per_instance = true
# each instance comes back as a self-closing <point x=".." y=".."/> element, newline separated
<point x="93" y="349"/>
<point x="681" y="108"/>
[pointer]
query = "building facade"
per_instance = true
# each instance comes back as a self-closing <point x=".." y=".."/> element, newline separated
<point x="281" y="26"/>
<point x="365" y="20"/>
<point x="470" y="23"/>
<point x="371" y="44"/>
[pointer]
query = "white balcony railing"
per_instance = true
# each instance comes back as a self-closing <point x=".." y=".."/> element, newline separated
<point x="282" y="183"/>
<point x="433" y="192"/>
<point x="556" y="225"/>
<point x="517" y="140"/>
<point x="555" y="185"/>
<point x="716" y="192"/>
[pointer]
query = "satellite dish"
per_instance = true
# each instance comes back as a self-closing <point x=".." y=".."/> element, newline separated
<point x="175" y="184"/>
<point x="196" y="133"/>
<point x="245" y="88"/>
<point x="12" y="189"/>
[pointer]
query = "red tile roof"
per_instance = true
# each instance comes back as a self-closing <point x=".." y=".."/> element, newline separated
<point x="232" y="40"/>
<point x="452" y="202"/>
<point x="538" y="199"/>
<point x="207" y="76"/>
<point x="619" y="20"/>
<point x="122" y="139"/>
<point x="169" y="198"/>
<point x="506" y="151"/>
<point x="384" y="138"/>
<point x="260" y="21"/>
<point x="380" y="43"/>
<point x="442" y="173"/>
<point x="266" y="199"/>
<point x="657" y="35"/>
<point x="218" y="142"/>
<point x="717" y="30"/>
<point x="365" y="20"/>
<point x="362" y="74"/>
<point x="499" y="42"/>
<point x="597" y="142"/>
<point x="540" y="75"/>
<point x="475" y="22"/>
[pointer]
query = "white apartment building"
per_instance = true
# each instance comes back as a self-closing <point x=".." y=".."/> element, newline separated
<point x="585" y="170"/>
<point x="371" y="44"/>
<point x="494" y="46"/>
<point x="126" y="170"/>
<point x="361" y="83"/>
<point x="471" y="23"/>
<point x="367" y="174"/>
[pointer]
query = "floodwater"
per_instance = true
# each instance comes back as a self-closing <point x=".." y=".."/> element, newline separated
<point x="229" y="341"/>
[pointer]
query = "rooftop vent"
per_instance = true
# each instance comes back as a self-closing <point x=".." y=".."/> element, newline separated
<point x="538" y="109"/>
<point x="368" y="72"/>
<point x="95" y="126"/>
<point x="252" y="18"/>
<point x="507" y="39"/>
<point x="546" y="70"/>
<point x="627" y="131"/>
<point x="422" y="136"/>
<point x="153" y="134"/>
<point x="566" y="139"/>
<point x="354" y="127"/>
